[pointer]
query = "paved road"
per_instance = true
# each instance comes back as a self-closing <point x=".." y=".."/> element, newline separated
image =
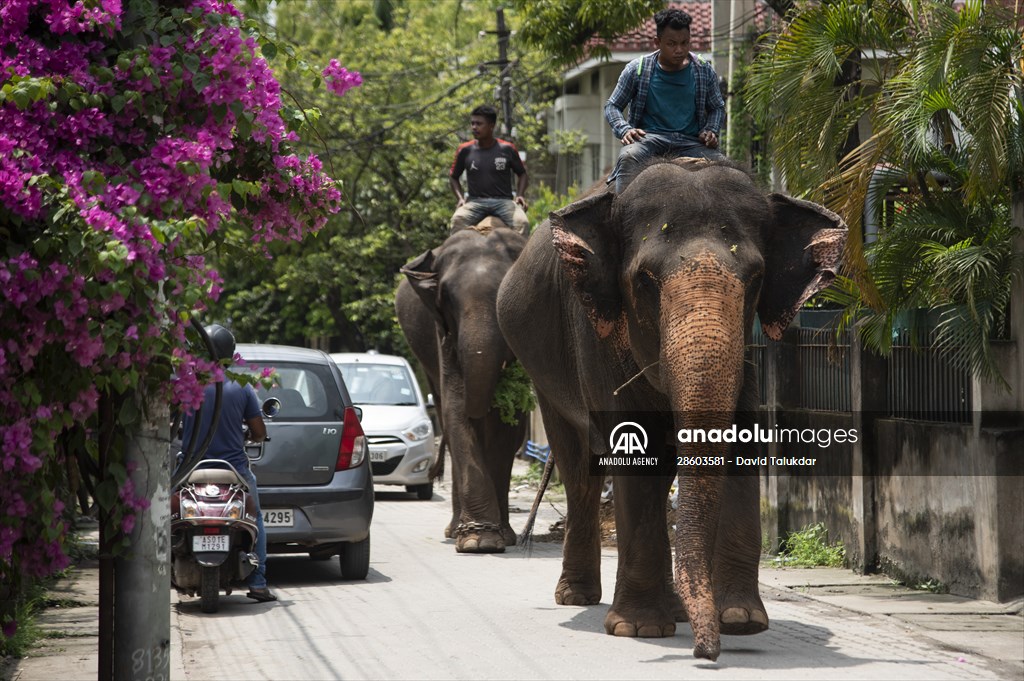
<point x="426" y="612"/>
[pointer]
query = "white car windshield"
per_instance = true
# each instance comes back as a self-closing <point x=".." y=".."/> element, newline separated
<point x="385" y="384"/>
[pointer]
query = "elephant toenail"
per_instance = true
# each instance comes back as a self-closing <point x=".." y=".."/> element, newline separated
<point x="734" y="616"/>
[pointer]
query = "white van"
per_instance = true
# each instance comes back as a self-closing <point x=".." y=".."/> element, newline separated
<point x="395" y="420"/>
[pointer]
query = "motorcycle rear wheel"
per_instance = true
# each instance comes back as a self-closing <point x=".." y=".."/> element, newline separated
<point x="209" y="589"/>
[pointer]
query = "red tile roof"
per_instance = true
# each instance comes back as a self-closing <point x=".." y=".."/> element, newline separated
<point x="642" y="39"/>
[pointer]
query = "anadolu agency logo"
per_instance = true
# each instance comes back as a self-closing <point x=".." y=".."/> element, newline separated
<point x="628" y="438"/>
<point x="631" y="451"/>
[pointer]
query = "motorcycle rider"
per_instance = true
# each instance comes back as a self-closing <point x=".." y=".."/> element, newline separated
<point x="239" y="405"/>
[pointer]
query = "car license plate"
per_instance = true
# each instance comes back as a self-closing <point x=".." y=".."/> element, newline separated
<point x="210" y="542"/>
<point x="278" y="517"/>
<point x="378" y="454"/>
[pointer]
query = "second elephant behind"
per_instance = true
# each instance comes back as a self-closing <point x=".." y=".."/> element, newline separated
<point x="447" y="310"/>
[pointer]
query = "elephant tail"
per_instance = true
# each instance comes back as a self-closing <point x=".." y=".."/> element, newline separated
<point x="526" y="537"/>
<point x="437" y="470"/>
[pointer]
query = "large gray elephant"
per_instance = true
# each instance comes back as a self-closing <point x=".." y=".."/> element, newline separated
<point x="446" y="308"/>
<point x="663" y="281"/>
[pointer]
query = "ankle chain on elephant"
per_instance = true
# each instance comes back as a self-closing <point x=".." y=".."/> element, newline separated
<point x="467" y="528"/>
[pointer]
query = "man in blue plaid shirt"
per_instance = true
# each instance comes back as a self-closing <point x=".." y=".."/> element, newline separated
<point x="675" y="106"/>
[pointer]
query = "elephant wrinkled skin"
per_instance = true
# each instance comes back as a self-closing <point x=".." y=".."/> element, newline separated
<point x="446" y="308"/>
<point x="663" y="281"/>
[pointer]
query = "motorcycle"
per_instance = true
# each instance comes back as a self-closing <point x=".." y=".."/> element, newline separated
<point x="213" y="530"/>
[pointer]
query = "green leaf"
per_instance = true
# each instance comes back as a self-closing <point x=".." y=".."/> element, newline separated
<point x="191" y="61"/>
<point x="200" y="81"/>
<point x="106" y="494"/>
<point x="117" y="103"/>
<point x="269" y="50"/>
<point x="129" y="413"/>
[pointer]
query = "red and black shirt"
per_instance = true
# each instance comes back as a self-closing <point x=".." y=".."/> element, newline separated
<point x="488" y="171"/>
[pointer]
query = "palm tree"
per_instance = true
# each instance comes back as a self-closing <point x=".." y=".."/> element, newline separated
<point x="943" y="92"/>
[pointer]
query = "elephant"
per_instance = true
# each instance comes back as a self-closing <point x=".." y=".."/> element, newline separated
<point x="663" y="281"/>
<point x="446" y="309"/>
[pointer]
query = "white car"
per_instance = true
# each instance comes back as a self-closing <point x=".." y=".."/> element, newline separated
<point x="395" y="420"/>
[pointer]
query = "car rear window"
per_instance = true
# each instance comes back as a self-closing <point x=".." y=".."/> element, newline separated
<point x="387" y="384"/>
<point x="308" y="392"/>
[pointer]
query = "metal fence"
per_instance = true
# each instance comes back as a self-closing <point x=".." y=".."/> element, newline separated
<point x="758" y="344"/>
<point x="824" y="370"/>
<point x="923" y="386"/>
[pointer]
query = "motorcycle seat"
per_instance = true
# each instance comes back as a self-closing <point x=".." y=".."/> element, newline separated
<point x="215" y="476"/>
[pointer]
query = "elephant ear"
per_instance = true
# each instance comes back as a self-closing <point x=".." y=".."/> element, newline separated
<point x="804" y="246"/>
<point x="590" y="252"/>
<point x="422" y="275"/>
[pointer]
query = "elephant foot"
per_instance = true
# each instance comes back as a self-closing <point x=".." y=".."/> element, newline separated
<point x="742" y="616"/>
<point x="448" y="534"/>
<point x="637" y="621"/>
<point x="508" y="534"/>
<point x="473" y="538"/>
<point x="577" y="592"/>
<point x="677" y="607"/>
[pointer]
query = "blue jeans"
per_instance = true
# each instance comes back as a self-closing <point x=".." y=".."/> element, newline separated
<point x="475" y="210"/>
<point x="671" y="144"/>
<point x="258" y="577"/>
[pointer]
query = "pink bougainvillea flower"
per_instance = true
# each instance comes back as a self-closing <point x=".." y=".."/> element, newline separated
<point x="340" y="80"/>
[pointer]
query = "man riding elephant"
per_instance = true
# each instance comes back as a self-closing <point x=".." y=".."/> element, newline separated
<point x="489" y="163"/>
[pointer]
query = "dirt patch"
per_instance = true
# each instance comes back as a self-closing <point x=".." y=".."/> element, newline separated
<point x="606" y="518"/>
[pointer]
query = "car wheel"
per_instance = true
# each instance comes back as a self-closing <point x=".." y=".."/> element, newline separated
<point x="209" y="589"/>
<point x="355" y="559"/>
<point x="423" y="492"/>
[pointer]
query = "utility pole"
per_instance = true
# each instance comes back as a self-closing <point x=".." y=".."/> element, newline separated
<point x="142" y="604"/>
<point x="504" y="71"/>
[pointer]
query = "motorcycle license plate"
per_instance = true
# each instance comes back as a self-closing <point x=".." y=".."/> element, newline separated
<point x="378" y="454"/>
<point x="278" y="517"/>
<point x="210" y="542"/>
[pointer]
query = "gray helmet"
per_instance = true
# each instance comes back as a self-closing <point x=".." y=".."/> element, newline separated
<point x="223" y="341"/>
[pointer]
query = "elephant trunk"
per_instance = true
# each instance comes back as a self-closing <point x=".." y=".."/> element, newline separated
<point x="702" y="366"/>
<point x="482" y="355"/>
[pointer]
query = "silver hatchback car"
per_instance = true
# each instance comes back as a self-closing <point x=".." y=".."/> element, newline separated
<point x="315" y="483"/>
<point x="398" y="429"/>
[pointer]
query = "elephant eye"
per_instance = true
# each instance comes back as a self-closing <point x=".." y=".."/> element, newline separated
<point x="646" y="279"/>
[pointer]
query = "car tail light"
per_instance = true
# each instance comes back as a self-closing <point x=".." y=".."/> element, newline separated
<point x="353" y="443"/>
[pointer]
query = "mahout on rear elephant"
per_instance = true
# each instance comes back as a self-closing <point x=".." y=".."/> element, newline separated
<point x="446" y="308"/>
<point x="644" y="302"/>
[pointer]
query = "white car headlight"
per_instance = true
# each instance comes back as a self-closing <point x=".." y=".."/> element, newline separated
<point x="421" y="431"/>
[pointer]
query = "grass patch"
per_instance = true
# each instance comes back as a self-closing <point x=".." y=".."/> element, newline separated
<point x="28" y="633"/>
<point x="933" y="586"/>
<point x="809" y="547"/>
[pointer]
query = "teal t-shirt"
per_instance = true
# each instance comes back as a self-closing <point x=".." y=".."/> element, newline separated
<point x="671" y="102"/>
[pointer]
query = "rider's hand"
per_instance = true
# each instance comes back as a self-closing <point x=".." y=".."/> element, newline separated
<point x="708" y="139"/>
<point x="521" y="200"/>
<point x="633" y="135"/>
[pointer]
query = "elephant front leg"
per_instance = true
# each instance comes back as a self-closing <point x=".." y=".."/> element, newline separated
<point x="580" y="581"/>
<point x="737" y="552"/>
<point x="479" y="525"/>
<point x="503" y="441"/>
<point x="645" y="602"/>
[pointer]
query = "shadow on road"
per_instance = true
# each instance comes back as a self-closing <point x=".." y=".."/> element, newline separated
<point x="398" y="494"/>
<point x="803" y="645"/>
<point x="288" y="571"/>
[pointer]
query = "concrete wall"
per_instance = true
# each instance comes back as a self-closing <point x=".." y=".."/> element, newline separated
<point x="918" y="500"/>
